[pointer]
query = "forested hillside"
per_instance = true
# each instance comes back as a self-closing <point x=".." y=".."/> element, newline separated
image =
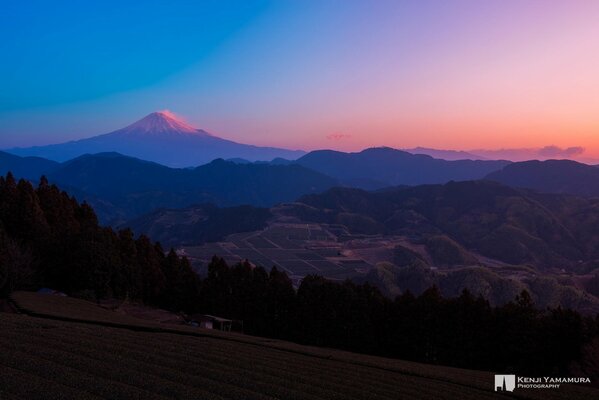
<point x="508" y="224"/>
<point x="47" y="239"/>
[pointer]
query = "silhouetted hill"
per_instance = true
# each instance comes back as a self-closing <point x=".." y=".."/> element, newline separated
<point x="198" y="224"/>
<point x="112" y="174"/>
<point x="127" y="187"/>
<point x="551" y="176"/>
<point x="160" y="137"/>
<point x="379" y="167"/>
<point x="25" y="167"/>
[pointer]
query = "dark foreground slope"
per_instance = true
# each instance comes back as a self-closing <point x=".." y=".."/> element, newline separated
<point x="76" y="360"/>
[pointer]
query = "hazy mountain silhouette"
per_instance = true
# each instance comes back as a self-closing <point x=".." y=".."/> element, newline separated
<point x="127" y="187"/>
<point x="25" y="167"/>
<point x="379" y="167"/>
<point x="551" y="176"/>
<point x="450" y="155"/>
<point x="163" y="138"/>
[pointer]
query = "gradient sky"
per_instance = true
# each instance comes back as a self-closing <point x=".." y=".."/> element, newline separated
<point x="307" y="74"/>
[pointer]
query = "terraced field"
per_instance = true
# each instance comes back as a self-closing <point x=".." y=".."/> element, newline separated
<point x="298" y="249"/>
<point x="47" y="358"/>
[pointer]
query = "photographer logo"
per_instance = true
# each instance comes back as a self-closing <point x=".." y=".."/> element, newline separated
<point x="505" y="383"/>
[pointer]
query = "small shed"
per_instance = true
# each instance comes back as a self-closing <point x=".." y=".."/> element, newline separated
<point x="211" y="322"/>
<point x="202" y="321"/>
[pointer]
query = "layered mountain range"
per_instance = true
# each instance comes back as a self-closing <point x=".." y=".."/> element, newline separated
<point x="122" y="187"/>
<point x="380" y="167"/>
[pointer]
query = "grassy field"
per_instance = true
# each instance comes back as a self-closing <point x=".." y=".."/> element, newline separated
<point x="113" y="356"/>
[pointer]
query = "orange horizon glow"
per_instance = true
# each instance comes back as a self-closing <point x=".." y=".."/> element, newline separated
<point x="457" y="75"/>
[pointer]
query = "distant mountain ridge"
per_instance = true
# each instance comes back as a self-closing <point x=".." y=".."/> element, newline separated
<point x="163" y="138"/>
<point x="449" y="155"/>
<point x="135" y="187"/>
<point x="378" y="167"/>
<point x="121" y="187"/>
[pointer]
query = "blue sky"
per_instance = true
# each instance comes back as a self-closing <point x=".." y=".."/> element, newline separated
<point x="458" y="74"/>
<point x="64" y="52"/>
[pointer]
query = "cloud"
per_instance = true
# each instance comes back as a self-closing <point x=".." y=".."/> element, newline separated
<point x="555" y="151"/>
<point x="338" y="136"/>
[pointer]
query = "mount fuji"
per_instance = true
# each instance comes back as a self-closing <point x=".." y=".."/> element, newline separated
<point x="163" y="138"/>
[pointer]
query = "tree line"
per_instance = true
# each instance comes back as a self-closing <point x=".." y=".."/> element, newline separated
<point x="465" y="331"/>
<point x="48" y="239"/>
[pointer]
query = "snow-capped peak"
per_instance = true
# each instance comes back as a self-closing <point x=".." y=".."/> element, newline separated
<point x="161" y="122"/>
